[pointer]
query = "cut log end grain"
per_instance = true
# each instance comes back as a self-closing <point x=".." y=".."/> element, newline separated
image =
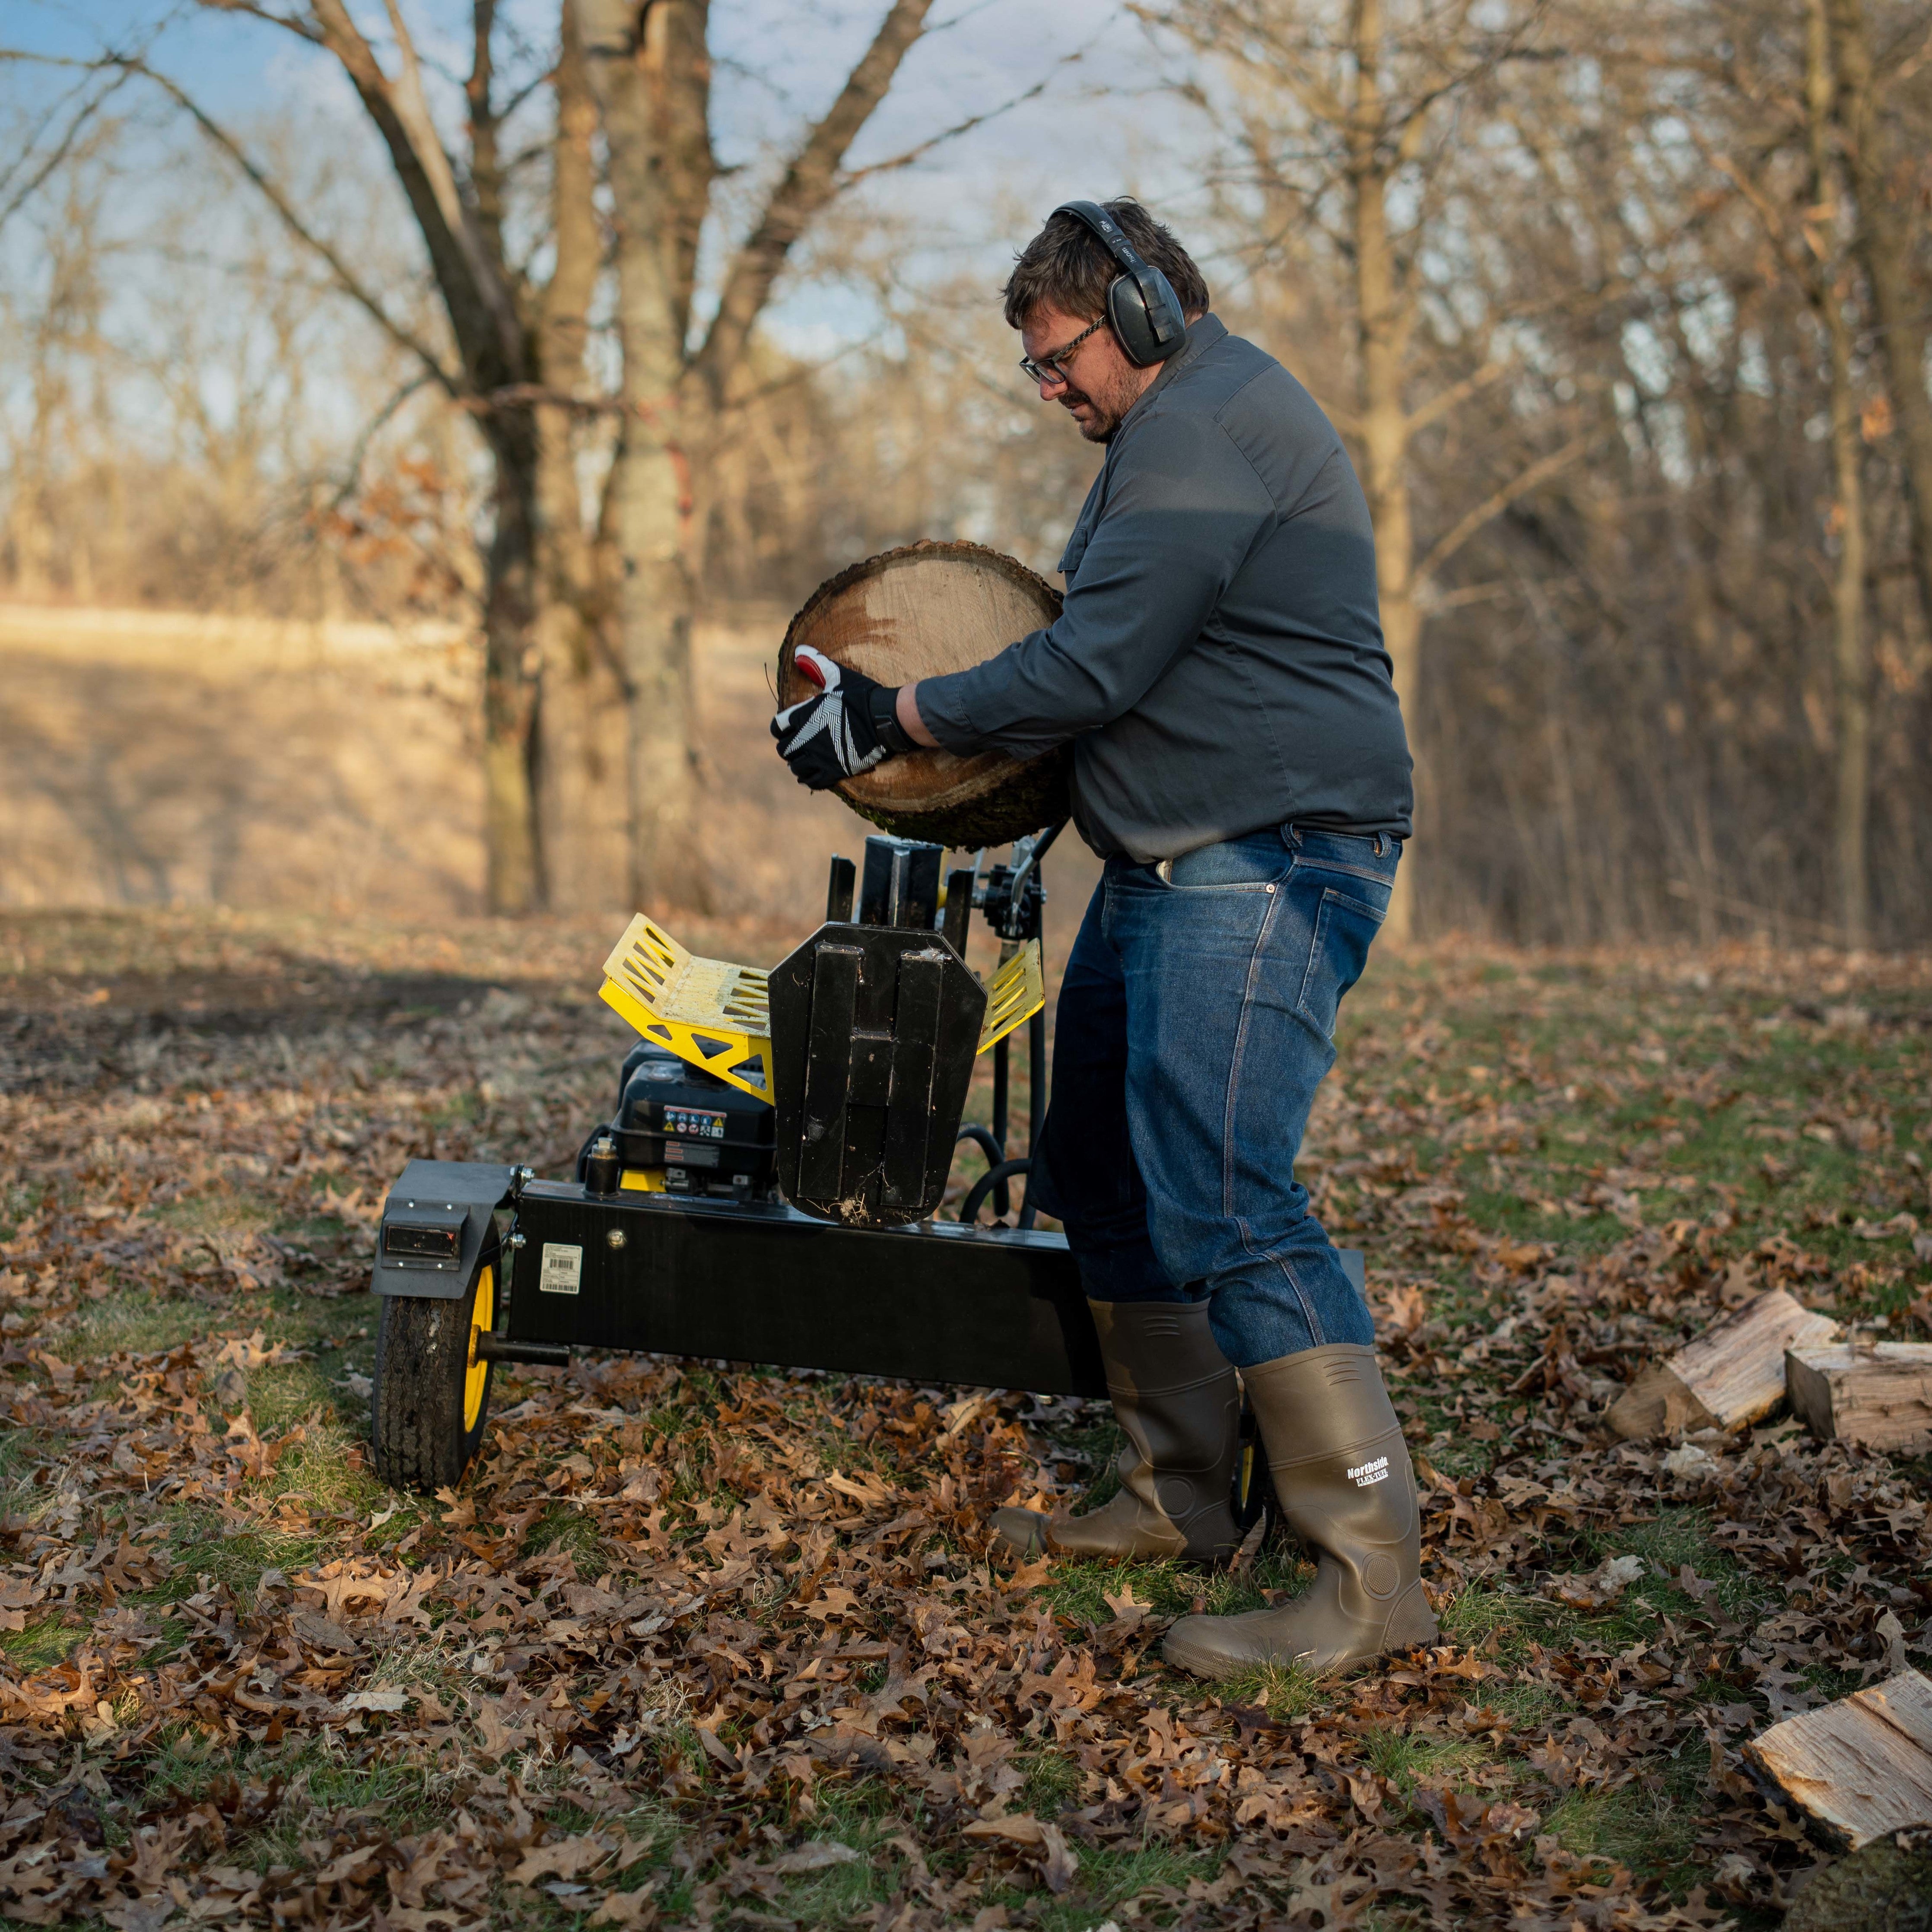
<point x="1732" y="1376"/>
<point x="1879" y="1395"/>
<point x="922" y="612"/>
<point x="1859" y="1769"/>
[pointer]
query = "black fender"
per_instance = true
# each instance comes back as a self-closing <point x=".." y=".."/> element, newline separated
<point x="434" y="1223"/>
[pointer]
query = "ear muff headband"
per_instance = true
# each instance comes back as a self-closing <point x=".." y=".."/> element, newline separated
<point x="1142" y="306"/>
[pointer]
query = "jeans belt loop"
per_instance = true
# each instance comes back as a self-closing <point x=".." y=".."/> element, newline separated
<point x="1378" y="845"/>
<point x="1164" y="871"/>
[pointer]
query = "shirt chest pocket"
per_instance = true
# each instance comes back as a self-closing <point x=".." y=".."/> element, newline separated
<point x="1083" y="529"/>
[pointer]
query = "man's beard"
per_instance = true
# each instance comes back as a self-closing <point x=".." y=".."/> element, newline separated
<point x="1107" y="409"/>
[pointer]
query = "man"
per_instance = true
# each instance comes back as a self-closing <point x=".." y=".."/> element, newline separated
<point x="1239" y="764"/>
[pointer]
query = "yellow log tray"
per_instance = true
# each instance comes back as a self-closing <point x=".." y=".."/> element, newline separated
<point x="716" y="1015"/>
<point x="708" y="1011"/>
<point x="1018" y="991"/>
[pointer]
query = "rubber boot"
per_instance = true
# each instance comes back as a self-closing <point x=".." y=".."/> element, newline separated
<point x="1344" y="1484"/>
<point x="1176" y="1401"/>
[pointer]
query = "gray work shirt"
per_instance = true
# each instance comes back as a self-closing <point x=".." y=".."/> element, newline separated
<point x="1219" y="664"/>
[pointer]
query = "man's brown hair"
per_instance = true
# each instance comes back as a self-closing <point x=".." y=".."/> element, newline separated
<point x="1067" y="266"/>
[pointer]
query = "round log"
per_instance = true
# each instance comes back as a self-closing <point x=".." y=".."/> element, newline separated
<point x="921" y="612"/>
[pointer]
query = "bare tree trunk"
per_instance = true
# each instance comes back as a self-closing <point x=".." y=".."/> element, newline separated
<point x="581" y="809"/>
<point x="31" y="541"/>
<point x="1851" y="676"/>
<point x="651" y="75"/>
<point x="515" y="883"/>
<point x="477" y="285"/>
<point x="660" y="171"/>
<point x="30" y="531"/>
<point x="1381" y="346"/>
<point x="1884" y="245"/>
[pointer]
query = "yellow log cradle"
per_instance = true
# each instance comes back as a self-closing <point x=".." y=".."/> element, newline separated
<point x="1017" y="992"/>
<point x="707" y="1012"/>
<point x="716" y="1016"/>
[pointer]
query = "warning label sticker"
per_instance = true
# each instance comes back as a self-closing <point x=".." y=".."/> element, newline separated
<point x="563" y="1268"/>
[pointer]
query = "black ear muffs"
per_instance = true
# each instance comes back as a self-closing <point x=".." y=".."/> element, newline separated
<point x="1142" y="308"/>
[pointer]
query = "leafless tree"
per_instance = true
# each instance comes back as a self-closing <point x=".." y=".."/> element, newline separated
<point x="1345" y="120"/>
<point x="576" y="609"/>
<point x="650" y="68"/>
<point x="1784" y="161"/>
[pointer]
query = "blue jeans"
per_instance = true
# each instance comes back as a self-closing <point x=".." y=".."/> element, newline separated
<point x="1196" y="1019"/>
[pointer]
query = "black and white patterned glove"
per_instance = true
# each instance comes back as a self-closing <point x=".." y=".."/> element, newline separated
<point x="850" y="726"/>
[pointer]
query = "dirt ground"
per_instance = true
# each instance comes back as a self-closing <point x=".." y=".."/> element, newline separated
<point x="697" y="1644"/>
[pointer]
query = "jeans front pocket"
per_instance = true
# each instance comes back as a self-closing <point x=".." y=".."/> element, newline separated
<point x="1345" y="927"/>
<point x="1248" y="865"/>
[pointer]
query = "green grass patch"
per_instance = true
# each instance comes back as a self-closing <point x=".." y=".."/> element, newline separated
<point x="325" y="1466"/>
<point x="562" y="1527"/>
<point x="1285" y="1691"/>
<point x="1478" y="1612"/>
<point x="41" y="1645"/>
<point x="1406" y="1758"/>
<point x="1080" y="1586"/>
<point x="1052" y="1778"/>
<point x="280" y="1395"/>
<point x="1651" y="1831"/>
<point x="133" y="1320"/>
<point x="201" y="1546"/>
<point x="1109" y="1877"/>
<point x="219" y="1208"/>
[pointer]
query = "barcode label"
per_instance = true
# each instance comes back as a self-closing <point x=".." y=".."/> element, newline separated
<point x="562" y="1272"/>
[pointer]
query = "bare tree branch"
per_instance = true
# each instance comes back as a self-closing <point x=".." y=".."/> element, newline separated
<point x="351" y="284"/>
<point x="289" y="22"/>
<point x="412" y="109"/>
<point x="1439" y="405"/>
<point x="808" y="184"/>
<point x="352" y="476"/>
<point x="852" y="177"/>
<point x="490" y="360"/>
<point x="62" y="147"/>
<point x="1499" y="501"/>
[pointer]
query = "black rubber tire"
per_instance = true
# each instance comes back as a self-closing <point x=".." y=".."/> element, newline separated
<point x="422" y="1349"/>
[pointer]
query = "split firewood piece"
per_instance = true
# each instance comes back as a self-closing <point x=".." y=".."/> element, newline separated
<point x="1731" y="1374"/>
<point x="1879" y="1394"/>
<point x="1860" y="1769"/>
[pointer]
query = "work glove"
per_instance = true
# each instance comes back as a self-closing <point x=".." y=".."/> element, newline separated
<point x="850" y="726"/>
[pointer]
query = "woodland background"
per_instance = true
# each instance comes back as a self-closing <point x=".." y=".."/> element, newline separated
<point x="467" y="392"/>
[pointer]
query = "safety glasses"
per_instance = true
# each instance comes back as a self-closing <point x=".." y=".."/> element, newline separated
<point x="1051" y="368"/>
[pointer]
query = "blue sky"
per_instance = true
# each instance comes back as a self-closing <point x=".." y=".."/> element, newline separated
<point x="1098" y="127"/>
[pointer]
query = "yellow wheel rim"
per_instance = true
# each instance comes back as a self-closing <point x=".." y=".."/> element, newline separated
<point x="475" y="1374"/>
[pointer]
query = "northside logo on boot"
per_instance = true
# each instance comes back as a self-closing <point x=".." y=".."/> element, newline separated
<point x="1364" y="1474"/>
